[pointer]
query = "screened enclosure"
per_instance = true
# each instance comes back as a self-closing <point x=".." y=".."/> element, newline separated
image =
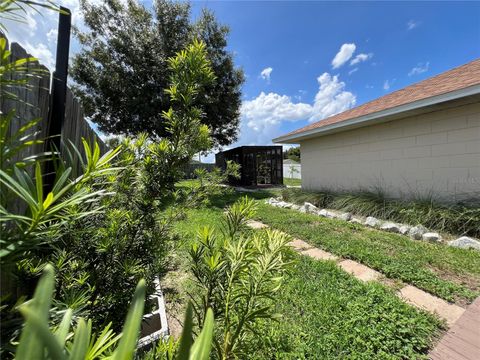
<point x="259" y="165"/>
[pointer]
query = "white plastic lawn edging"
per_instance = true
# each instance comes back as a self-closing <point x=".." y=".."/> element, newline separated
<point x="149" y="319"/>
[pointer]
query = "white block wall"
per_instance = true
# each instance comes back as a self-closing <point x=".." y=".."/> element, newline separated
<point x="295" y="174"/>
<point x="436" y="153"/>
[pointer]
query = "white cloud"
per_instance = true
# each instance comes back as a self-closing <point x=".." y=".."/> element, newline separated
<point x="388" y="84"/>
<point x="344" y="54"/>
<point x="412" y="24"/>
<point x="361" y="58"/>
<point x="272" y="109"/>
<point x="265" y="74"/>
<point x="52" y="35"/>
<point x="331" y="98"/>
<point x="353" y="71"/>
<point x="38" y="36"/>
<point x="31" y="21"/>
<point x="263" y="116"/>
<point x="42" y="52"/>
<point x="420" y="68"/>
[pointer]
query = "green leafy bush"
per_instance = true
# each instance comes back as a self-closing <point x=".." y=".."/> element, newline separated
<point x="129" y="239"/>
<point x="38" y="341"/>
<point x="107" y="227"/>
<point x="41" y="341"/>
<point x="459" y="219"/>
<point x="237" y="277"/>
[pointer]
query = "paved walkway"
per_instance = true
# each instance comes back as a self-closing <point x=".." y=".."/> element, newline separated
<point x="462" y="341"/>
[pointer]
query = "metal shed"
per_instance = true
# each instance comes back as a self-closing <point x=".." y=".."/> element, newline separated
<point x="259" y="165"/>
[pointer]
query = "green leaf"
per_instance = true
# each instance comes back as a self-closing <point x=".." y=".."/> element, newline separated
<point x="203" y="344"/>
<point x="39" y="338"/>
<point x="80" y="341"/>
<point x="30" y="345"/>
<point x="186" y="340"/>
<point x="62" y="331"/>
<point x="131" y="328"/>
<point x="48" y="201"/>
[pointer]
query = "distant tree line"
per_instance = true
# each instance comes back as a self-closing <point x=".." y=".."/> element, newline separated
<point x="292" y="154"/>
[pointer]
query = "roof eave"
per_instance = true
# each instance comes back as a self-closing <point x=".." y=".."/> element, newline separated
<point x="370" y="118"/>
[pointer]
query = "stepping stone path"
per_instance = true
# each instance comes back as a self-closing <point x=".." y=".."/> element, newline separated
<point x="256" y="224"/>
<point x="423" y="300"/>
<point x="360" y="271"/>
<point x="462" y="341"/>
<point x="319" y="254"/>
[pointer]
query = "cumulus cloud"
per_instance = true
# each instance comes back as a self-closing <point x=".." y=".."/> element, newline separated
<point x="412" y="24"/>
<point x="361" y="58"/>
<point x="52" y="36"/>
<point x="331" y="97"/>
<point x="38" y="36"/>
<point x="344" y="54"/>
<point x="42" y="52"/>
<point x="419" y="69"/>
<point x="272" y="109"/>
<point x="263" y="116"/>
<point x="265" y="73"/>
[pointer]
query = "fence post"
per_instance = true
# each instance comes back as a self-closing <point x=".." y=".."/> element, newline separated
<point x="59" y="89"/>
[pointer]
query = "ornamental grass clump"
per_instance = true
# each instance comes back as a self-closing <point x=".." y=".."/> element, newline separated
<point x="457" y="219"/>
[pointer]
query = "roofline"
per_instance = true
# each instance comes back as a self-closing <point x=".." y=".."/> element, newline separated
<point x="251" y="146"/>
<point x="365" y="119"/>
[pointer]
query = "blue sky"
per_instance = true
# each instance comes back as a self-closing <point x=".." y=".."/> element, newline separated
<point x="305" y="61"/>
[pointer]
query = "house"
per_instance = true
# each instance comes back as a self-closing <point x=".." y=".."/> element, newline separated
<point x="259" y="165"/>
<point x="422" y="140"/>
<point x="292" y="169"/>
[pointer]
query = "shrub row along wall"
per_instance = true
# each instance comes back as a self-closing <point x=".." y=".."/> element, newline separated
<point x="35" y="101"/>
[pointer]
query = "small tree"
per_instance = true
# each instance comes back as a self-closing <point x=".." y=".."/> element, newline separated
<point x="293" y="171"/>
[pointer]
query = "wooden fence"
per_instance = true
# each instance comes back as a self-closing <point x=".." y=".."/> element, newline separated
<point x="34" y="102"/>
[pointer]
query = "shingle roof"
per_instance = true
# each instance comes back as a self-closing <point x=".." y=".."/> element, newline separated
<point x="456" y="79"/>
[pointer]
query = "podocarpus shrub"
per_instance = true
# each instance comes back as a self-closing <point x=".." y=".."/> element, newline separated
<point x="457" y="219"/>
<point x="40" y="341"/>
<point x="106" y="228"/>
<point x="237" y="276"/>
<point x="102" y="256"/>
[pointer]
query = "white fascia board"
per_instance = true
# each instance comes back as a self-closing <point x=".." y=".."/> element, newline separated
<point x="366" y="119"/>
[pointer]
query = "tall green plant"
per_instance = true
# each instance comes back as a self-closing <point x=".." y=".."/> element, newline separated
<point x="237" y="277"/>
<point x="212" y="183"/>
<point x="47" y="214"/>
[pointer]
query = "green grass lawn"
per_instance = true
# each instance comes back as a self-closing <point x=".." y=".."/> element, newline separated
<point x="450" y="273"/>
<point x="328" y="314"/>
<point x="292" y="182"/>
<point x="324" y="312"/>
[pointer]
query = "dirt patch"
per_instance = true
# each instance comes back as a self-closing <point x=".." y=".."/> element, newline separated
<point x="468" y="281"/>
<point x="173" y="287"/>
<point x="465" y="280"/>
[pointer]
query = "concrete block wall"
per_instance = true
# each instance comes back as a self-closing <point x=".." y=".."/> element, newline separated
<point x="436" y="153"/>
